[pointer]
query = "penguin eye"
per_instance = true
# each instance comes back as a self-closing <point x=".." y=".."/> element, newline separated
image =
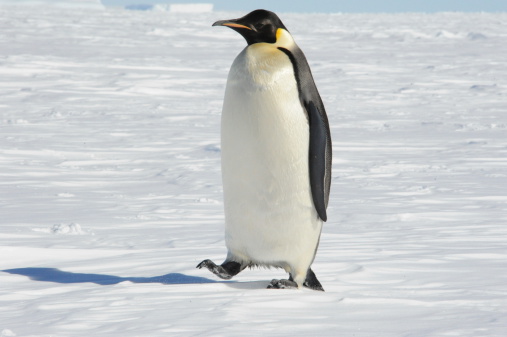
<point x="259" y="26"/>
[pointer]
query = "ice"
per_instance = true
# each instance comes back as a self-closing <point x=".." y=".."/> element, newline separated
<point x="175" y="8"/>
<point x="110" y="183"/>
<point x="7" y="333"/>
<point x="69" y="229"/>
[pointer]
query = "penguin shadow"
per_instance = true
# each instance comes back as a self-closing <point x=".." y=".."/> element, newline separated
<point x="64" y="277"/>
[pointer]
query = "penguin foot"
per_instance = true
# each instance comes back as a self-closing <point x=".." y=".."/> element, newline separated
<point x="282" y="284"/>
<point x="225" y="271"/>
<point x="312" y="282"/>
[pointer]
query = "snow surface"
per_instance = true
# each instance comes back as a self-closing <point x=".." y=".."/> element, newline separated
<point x="110" y="187"/>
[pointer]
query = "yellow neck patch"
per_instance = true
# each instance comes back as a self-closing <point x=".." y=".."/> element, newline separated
<point x="263" y="49"/>
<point x="279" y="33"/>
<point x="283" y="38"/>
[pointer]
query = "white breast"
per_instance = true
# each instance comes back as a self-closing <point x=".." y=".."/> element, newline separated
<point x="269" y="212"/>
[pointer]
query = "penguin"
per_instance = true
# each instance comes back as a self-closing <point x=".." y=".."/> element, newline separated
<point x="276" y="156"/>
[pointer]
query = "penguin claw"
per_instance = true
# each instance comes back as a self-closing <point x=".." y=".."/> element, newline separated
<point x="211" y="266"/>
<point x="282" y="284"/>
<point x="217" y="270"/>
<point x="206" y="263"/>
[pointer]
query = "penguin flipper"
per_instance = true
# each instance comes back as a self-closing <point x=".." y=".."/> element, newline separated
<point x="225" y="271"/>
<point x="319" y="135"/>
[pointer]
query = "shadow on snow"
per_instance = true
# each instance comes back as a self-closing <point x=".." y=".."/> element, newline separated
<point x="59" y="276"/>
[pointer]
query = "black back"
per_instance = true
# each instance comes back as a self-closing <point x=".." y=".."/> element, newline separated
<point x="320" y="156"/>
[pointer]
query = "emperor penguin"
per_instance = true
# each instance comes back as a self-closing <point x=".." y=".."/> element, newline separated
<point x="276" y="156"/>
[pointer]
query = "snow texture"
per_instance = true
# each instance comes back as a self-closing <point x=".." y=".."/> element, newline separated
<point x="110" y="186"/>
<point x="191" y="8"/>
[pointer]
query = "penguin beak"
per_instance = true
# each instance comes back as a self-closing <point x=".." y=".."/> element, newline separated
<point x="231" y="23"/>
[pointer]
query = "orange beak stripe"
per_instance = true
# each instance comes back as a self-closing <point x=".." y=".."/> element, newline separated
<point x="235" y="25"/>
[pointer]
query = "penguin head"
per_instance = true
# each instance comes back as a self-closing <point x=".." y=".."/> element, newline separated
<point x="256" y="27"/>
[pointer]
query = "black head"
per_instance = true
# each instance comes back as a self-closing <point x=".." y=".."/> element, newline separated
<point x="257" y="26"/>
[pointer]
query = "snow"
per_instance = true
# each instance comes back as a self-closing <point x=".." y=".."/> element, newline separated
<point x="191" y="8"/>
<point x="110" y="187"/>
